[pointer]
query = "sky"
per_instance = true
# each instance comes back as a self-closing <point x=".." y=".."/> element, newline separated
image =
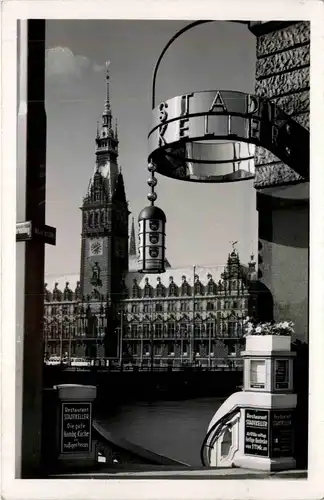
<point x="202" y="220"/>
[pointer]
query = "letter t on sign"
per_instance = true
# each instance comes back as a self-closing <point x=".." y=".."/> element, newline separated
<point x="185" y="104"/>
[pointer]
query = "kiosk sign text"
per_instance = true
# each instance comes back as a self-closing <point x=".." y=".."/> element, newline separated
<point x="76" y="428"/>
<point x="256" y="440"/>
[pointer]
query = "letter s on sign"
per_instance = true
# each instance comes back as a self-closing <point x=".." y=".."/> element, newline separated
<point x="163" y="113"/>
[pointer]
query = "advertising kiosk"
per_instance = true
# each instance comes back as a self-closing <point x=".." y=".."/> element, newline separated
<point x="266" y="428"/>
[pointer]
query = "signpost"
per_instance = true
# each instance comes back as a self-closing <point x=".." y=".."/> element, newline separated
<point x="26" y="231"/>
<point x="76" y="427"/>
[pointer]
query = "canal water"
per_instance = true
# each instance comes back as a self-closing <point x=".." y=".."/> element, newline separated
<point x="175" y="429"/>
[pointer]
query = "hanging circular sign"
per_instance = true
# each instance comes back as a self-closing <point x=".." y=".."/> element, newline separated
<point x="210" y="136"/>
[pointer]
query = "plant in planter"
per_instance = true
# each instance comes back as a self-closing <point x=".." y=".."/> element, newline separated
<point x="269" y="336"/>
<point x="285" y="328"/>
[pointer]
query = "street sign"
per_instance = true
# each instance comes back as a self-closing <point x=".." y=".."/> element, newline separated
<point x="26" y="231"/>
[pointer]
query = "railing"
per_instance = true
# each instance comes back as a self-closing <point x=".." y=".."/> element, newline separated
<point x="138" y="363"/>
<point x="212" y="452"/>
<point x="112" y="450"/>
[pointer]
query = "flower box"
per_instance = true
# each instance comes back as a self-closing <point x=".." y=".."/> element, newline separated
<point x="260" y="343"/>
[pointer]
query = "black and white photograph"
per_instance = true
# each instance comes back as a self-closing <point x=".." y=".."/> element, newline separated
<point x="161" y="281"/>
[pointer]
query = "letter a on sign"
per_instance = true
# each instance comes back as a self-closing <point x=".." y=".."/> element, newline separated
<point x="218" y="102"/>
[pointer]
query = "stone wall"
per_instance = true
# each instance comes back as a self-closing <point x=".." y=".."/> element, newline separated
<point x="282" y="74"/>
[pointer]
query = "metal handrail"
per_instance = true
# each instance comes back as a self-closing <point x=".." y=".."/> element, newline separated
<point x="220" y="424"/>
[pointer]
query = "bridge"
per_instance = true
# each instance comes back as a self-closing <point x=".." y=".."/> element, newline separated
<point x="130" y="382"/>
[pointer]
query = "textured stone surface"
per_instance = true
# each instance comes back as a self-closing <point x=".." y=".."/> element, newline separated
<point x="287" y="51"/>
<point x="263" y="156"/>
<point x="284" y="61"/>
<point x="274" y="175"/>
<point x="303" y="120"/>
<point x="286" y="38"/>
<point x="294" y="103"/>
<point x="283" y="84"/>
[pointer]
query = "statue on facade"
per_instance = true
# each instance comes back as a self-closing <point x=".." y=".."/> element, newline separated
<point x="77" y="292"/>
<point x="95" y="279"/>
<point x="67" y="294"/>
<point x="95" y="295"/>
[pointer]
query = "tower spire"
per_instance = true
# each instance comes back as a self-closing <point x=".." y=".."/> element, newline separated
<point x="106" y="143"/>
<point x="107" y="109"/>
<point x="116" y="130"/>
<point x="132" y="244"/>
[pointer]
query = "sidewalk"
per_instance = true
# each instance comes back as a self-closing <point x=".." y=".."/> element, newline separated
<point x="166" y="472"/>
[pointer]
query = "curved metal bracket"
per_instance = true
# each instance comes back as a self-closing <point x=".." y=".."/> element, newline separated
<point x="170" y="42"/>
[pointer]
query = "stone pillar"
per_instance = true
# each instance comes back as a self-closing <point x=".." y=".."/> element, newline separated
<point x="282" y="74"/>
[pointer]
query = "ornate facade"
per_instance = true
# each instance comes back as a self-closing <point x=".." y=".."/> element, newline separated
<point x="185" y="316"/>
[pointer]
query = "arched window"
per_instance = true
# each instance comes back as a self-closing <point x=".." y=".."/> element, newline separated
<point x="184" y="329"/>
<point x="146" y="330"/>
<point x="232" y="328"/>
<point x="171" y="328"/>
<point x="197" y="330"/>
<point x="224" y="329"/>
<point x="184" y="306"/>
<point x="134" y="331"/>
<point x="158" y="329"/>
<point x="210" y="328"/>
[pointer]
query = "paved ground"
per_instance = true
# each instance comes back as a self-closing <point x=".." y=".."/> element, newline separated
<point x="153" y="473"/>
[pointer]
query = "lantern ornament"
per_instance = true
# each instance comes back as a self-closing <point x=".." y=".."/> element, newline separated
<point x="151" y="232"/>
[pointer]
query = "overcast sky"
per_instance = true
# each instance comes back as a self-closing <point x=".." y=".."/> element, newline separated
<point x="201" y="219"/>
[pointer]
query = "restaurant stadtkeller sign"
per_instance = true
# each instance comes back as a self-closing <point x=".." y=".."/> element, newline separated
<point x="224" y="115"/>
<point x="76" y="427"/>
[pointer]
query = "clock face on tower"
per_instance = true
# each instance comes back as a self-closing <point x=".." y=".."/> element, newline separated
<point x="95" y="247"/>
